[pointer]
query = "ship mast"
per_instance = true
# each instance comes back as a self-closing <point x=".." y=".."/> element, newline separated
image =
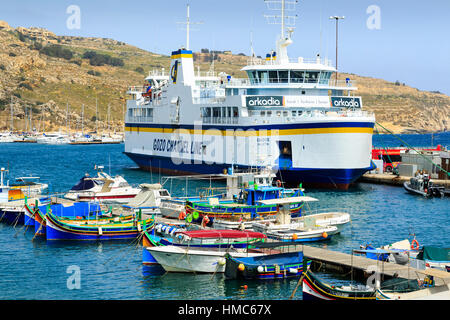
<point x="284" y="20"/>
<point x="188" y="26"/>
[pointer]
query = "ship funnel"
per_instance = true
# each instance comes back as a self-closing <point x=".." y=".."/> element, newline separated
<point x="182" y="68"/>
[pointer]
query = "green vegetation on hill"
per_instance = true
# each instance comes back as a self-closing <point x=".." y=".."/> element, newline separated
<point x="46" y="73"/>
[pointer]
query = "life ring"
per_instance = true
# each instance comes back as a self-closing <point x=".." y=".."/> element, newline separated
<point x="182" y="215"/>
<point x="415" y="244"/>
<point x="205" y="221"/>
<point x="278" y="183"/>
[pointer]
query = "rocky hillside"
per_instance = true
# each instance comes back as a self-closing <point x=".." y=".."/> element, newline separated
<point x="43" y="75"/>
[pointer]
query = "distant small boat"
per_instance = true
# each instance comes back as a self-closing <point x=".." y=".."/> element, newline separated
<point x="422" y="185"/>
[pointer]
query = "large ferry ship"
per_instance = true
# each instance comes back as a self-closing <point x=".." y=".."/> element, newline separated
<point x="289" y="114"/>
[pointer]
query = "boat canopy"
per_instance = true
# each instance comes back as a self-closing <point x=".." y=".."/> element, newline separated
<point x="434" y="254"/>
<point x="287" y="200"/>
<point x="222" y="234"/>
<point x="85" y="183"/>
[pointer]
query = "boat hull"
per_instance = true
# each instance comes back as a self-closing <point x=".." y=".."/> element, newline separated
<point x="309" y="177"/>
<point x="177" y="259"/>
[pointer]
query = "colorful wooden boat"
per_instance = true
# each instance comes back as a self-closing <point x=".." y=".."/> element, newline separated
<point x="245" y="206"/>
<point x="315" y="289"/>
<point x="77" y="210"/>
<point x="265" y="267"/>
<point x="96" y="229"/>
<point x="202" y="250"/>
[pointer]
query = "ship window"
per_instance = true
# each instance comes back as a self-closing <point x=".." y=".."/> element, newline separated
<point x="294" y="113"/>
<point x="216" y="112"/>
<point x="278" y="113"/>
<point x="235" y="112"/>
<point x="229" y="112"/>
<point x="296" y="76"/>
<point x="273" y="77"/>
<point x="285" y="113"/>
<point x="283" y="76"/>
<point x="269" y="113"/>
<point x="263" y="113"/>
<point x="311" y="76"/>
<point x="263" y="76"/>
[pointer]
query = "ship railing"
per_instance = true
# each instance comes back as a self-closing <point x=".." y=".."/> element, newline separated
<point x="137" y="89"/>
<point x="220" y="120"/>
<point x="135" y="119"/>
<point x="260" y="61"/>
<point x="288" y="81"/>
<point x="208" y="100"/>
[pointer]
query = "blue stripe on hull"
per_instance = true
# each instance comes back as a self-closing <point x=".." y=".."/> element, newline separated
<point x="147" y="258"/>
<point x="315" y="177"/>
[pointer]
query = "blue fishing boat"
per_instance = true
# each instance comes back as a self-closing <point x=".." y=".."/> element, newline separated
<point x="76" y="210"/>
<point x="246" y="205"/>
<point x="265" y="267"/>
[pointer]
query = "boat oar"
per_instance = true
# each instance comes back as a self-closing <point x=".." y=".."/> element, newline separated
<point x="298" y="283"/>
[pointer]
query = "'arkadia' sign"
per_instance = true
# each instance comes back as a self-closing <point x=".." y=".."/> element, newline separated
<point x="264" y="101"/>
<point x="346" y="102"/>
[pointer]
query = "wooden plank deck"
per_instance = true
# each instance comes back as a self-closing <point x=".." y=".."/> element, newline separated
<point x="346" y="262"/>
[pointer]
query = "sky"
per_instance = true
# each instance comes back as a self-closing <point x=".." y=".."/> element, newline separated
<point x="408" y="41"/>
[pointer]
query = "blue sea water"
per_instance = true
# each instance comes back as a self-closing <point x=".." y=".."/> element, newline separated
<point x="112" y="270"/>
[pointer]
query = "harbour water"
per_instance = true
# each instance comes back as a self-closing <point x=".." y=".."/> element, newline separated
<point x="112" y="270"/>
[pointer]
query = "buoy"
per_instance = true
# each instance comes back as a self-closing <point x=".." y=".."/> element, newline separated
<point x="292" y="270"/>
<point x="221" y="261"/>
<point x="260" y="269"/>
<point x="241" y="267"/>
<point x="195" y="215"/>
<point x="325" y="235"/>
<point x="294" y="236"/>
<point x="415" y="244"/>
<point x="245" y="287"/>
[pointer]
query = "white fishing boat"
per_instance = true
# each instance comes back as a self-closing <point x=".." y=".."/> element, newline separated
<point x="304" y="229"/>
<point x="429" y="290"/>
<point x="149" y="199"/>
<point x="198" y="260"/>
<point x="102" y="188"/>
<point x="203" y="251"/>
<point x="290" y="114"/>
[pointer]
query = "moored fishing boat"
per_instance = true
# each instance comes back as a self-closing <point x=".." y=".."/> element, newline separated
<point x="315" y="289"/>
<point x="247" y="206"/>
<point x="283" y="229"/>
<point x="149" y="199"/>
<point x="266" y="267"/>
<point x="203" y="250"/>
<point x="425" y="289"/>
<point x="103" y="188"/>
<point x="95" y="229"/>
<point x="66" y="211"/>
